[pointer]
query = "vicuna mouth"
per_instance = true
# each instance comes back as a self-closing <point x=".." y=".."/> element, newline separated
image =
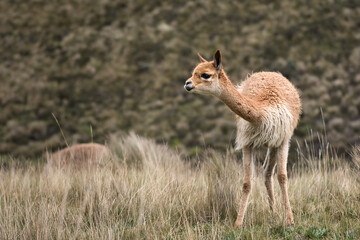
<point x="188" y="88"/>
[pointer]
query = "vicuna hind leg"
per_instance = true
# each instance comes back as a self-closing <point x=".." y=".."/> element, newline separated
<point x="247" y="164"/>
<point x="269" y="172"/>
<point x="281" y="157"/>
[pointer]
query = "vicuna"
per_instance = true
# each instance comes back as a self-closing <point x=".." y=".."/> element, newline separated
<point x="79" y="155"/>
<point x="267" y="108"/>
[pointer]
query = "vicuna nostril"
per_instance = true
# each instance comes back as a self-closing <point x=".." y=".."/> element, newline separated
<point x="188" y="86"/>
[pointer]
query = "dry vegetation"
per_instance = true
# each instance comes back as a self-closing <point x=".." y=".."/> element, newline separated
<point x="149" y="192"/>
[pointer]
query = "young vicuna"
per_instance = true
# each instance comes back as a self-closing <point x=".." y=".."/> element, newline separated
<point x="79" y="155"/>
<point x="267" y="108"/>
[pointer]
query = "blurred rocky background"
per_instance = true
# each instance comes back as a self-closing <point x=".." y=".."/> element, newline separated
<point x="110" y="66"/>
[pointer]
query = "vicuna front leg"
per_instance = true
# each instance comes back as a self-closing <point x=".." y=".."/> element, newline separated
<point x="247" y="164"/>
<point x="269" y="172"/>
<point x="281" y="156"/>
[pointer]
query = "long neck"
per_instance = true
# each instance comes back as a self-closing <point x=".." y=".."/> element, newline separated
<point x="244" y="107"/>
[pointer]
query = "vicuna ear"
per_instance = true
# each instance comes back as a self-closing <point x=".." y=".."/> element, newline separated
<point x="201" y="58"/>
<point x="217" y="61"/>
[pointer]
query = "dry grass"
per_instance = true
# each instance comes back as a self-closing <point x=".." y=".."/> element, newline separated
<point x="148" y="192"/>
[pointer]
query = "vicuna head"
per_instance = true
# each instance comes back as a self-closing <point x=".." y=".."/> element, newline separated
<point x="205" y="78"/>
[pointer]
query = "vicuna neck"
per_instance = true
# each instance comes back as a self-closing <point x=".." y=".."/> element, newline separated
<point x="246" y="108"/>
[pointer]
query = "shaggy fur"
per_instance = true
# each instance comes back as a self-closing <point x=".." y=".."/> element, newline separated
<point x="271" y="132"/>
<point x="267" y="108"/>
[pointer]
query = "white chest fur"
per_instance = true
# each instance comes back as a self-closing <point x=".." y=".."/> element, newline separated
<point x="271" y="132"/>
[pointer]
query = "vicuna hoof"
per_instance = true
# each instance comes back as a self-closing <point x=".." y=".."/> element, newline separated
<point x="291" y="225"/>
<point x="238" y="224"/>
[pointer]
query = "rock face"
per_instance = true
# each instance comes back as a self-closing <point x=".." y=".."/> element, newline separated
<point x="79" y="155"/>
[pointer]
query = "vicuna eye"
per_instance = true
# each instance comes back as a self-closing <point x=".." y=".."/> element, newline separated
<point x="205" y="76"/>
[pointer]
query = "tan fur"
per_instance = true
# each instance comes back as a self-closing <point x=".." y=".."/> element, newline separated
<point x="267" y="108"/>
<point x="79" y="155"/>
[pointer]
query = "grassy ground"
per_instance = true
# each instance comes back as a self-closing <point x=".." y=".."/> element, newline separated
<point x="148" y="192"/>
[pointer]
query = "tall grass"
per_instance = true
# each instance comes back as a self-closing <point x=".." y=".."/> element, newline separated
<point x="146" y="191"/>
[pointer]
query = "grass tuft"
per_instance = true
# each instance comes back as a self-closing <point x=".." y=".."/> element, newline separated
<point x="146" y="191"/>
